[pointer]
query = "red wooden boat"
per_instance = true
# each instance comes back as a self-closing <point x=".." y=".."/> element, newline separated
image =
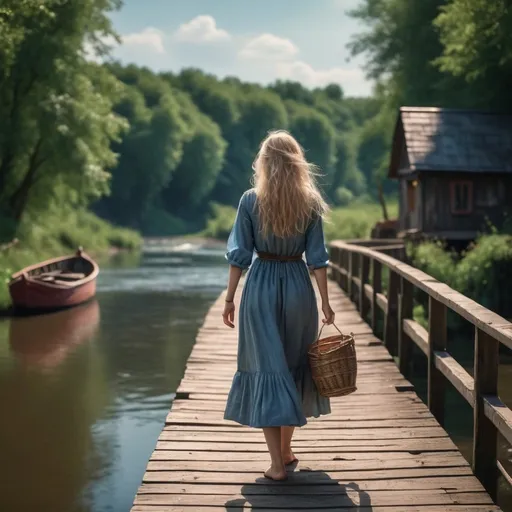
<point x="55" y="284"/>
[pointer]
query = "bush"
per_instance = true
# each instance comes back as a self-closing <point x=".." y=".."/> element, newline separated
<point x="356" y="220"/>
<point x="434" y="260"/>
<point x="159" y="222"/>
<point x="480" y="274"/>
<point x="344" y="196"/>
<point x="220" y="223"/>
<point x="485" y="271"/>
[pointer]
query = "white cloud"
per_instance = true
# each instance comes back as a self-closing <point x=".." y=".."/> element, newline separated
<point x="149" y="38"/>
<point x="268" y="46"/>
<point x="202" y="29"/>
<point x="309" y="76"/>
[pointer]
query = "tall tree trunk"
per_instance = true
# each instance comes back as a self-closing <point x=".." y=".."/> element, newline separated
<point x="382" y="202"/>
<point x="18" y="201"/>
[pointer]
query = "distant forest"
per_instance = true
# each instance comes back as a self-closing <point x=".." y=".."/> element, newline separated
<point x="193" y="138"/>
<point x="156" y="152"/>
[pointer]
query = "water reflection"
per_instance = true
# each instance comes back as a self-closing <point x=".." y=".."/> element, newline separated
<point x="44" y="341"/>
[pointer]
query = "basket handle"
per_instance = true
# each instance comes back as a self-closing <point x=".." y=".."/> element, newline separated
<point x="320" y="333"/>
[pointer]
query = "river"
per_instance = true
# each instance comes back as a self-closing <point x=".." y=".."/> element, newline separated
<point x="84" y="393"/>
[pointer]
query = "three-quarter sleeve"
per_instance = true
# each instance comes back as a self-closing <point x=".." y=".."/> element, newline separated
<point x="241" y="240"/>
<point x="316" y="252"/>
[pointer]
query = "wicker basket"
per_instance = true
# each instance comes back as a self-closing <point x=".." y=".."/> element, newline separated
<point x="333" y="364"/>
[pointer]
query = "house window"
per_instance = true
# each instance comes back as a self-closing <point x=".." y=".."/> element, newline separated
<point x="461" y="196"/>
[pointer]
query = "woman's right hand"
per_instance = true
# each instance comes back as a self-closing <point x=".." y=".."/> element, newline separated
<point x="328" y="314"/>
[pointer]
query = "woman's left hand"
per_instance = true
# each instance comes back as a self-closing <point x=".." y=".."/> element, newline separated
<point x="229" y="314"/>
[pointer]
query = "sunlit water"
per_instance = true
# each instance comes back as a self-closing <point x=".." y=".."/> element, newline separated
<point x="84" y="393"/>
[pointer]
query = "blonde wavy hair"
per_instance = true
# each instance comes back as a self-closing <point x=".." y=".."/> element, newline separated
<point x="284" y="181"/>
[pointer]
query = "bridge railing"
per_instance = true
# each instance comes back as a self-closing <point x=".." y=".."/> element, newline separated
<point x="358" y="270"/>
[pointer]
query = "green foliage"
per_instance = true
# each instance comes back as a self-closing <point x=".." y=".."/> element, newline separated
<point x="56" y="107"/>
<point x="355" y="220"/>
<point x="344" y="196"/>
<point x="220" y="223"/>
<point x="434" y="260"/>
<point x="477" y="40"/>
<point x="484" y="270"/>
<point x="479" y="274"/>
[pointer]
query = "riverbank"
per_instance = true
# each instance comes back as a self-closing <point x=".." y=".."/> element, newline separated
<point x="355" y="220"/>
<point x="54" y="235"/>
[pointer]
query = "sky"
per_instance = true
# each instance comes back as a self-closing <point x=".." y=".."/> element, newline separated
<point x="258" y="41"/>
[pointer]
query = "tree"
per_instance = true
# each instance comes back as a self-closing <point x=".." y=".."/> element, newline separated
<point x="149" y="154"/>
<point x="401" y="45"/>
<point x="317" y="135"/>
<point x="56" y="107"/>
<point x="200" y="164"/>
<point x="477" y="46"/>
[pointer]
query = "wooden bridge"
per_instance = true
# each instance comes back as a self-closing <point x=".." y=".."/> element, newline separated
<point x="381" y="449"/>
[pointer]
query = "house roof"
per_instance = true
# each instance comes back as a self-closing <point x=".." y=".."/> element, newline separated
<point x="451" y="140"/>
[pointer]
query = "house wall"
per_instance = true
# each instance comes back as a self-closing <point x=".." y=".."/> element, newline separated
<point x="410" y="218"/>
<point x="491" y="195"/>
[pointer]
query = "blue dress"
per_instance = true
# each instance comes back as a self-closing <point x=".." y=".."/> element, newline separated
<point x="278" y="321"/>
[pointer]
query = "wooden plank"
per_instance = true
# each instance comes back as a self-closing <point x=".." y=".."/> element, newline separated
<point x="298" y="502"/>
<point x="377" y="445"/>
<point x="456" y="374"/>
<point x="449" y="483"/>
<point x="310" y="469"/>
<point x="308" y="458"/>
<point x="417" y="333"/>
<point x="500" y="415"/>
<point x="244" y="505"/>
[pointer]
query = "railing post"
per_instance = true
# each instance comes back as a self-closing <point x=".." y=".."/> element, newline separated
<point x="437" y="332"/>
<point x="355" y="272"/>
<point x="351" y="265"/>
<point x="391" y="325"/>
<point x="364" y="270"/>
<point x="377" y="288"/>
<point x="344" y="262"/>
<point x="485" y="435"/>
<point x="405" y="311"/>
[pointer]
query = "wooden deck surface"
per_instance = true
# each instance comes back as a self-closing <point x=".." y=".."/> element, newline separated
<point x="379" y="450"/>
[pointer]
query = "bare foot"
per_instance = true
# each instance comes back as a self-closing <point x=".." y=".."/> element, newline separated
<point x="276" y="474"/>
<point x="289" y="458"/>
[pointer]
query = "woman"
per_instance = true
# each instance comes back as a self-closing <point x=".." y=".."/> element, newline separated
<point x="280" y="219"/>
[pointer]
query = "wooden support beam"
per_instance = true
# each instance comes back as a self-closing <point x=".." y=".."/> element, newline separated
<point x="485" y="434"/>
<point x="377" y="288"/>
<point x="391" y="325"/>
<point x="405" y="311"/>
<point x="364" y="271"/>
<point x="437" y="333"/>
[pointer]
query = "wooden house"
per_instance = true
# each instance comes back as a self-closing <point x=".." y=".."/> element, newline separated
<point x="454" y="169"/>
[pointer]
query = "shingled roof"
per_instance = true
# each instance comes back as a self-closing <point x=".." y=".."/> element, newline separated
<point x="433" y="139"/>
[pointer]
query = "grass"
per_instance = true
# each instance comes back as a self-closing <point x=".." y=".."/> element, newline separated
<point x="357" y="219"/>
<point x="348" y="222"/>
<point x="59" y="233"/>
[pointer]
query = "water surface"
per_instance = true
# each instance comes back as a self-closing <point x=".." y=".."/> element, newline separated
<point x="84" y="393"/>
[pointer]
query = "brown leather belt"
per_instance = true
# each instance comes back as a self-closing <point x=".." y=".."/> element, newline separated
<point x="274" y="257"/>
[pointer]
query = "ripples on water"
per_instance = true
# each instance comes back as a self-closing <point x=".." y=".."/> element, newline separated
<point x="85" y="392"/>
